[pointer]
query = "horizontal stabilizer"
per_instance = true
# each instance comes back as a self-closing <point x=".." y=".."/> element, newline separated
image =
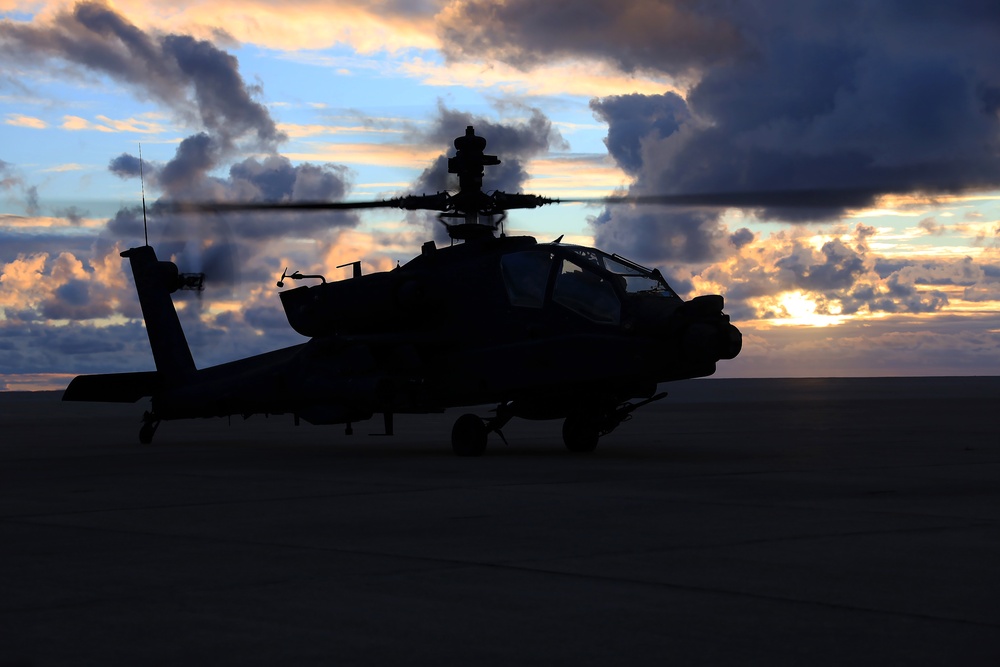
<point x="113" y="387"/>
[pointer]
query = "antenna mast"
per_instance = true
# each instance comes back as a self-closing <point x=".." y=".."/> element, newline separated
<point x="142" y="186"/>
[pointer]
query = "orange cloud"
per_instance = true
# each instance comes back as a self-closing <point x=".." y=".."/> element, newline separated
<point x="105" y="124"/>
<point x="590" y="78"/>
<point x="403" y="155"/>
<point x="575" y="176"/>
<point x="365" y="25"/>
<point x="20" y="120"/>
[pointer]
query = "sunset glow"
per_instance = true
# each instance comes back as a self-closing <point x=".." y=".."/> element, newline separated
<point x="893" y="268"/>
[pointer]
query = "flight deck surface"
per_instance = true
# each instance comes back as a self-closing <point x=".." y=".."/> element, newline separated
<point x="837" y="521"/>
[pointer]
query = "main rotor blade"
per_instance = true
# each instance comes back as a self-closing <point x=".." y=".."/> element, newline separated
<point x="811" y="198"/>
<point x="807" y="198"/>
<point x="232" y="207"/>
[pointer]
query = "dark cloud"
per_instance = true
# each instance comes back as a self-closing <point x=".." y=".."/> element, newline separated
<point x="838" y="270"/>
<point x="275" y="179"/>
<point x="73" y="214"/>
<point x="513" y="142"/>
<point x="842" y="277"/>
<point x="31" y="205"/>
<point x="186" y="171"/>
<point x="202" y="85"/>
<point x="14" y="242"/>
<point x="125" y="166"/>
<point x="680" y="36"/>
<point x="653" y="235"/>
<point x="12" y="181"/>
<point x="225" y="102"/>
<point x="226" y="246"/>
<point x="9" y="179"/>
<point x="633" y="118"/>
<point x="199" y="81"/>
<point x="741" y="237"/>
<point x="75" y="348"/>
<point x="843" y="101"/>
<point x="76" y="300"/>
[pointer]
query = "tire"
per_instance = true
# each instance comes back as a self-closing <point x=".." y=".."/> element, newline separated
<point x="580" y="434"/>
<point x="468" y="436"/>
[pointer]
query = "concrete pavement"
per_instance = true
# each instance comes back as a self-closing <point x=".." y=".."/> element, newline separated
<point x="737" y="521"/>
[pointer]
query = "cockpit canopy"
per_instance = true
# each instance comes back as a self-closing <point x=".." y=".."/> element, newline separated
<point x="588" y="281"/>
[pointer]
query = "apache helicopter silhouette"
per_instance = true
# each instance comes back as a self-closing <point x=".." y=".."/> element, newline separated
<point x="541" y="330"/>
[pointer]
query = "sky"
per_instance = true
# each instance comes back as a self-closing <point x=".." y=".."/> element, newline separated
<point x="887" y="114"/>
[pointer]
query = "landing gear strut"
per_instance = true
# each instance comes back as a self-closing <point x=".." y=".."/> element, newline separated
<point x="583" y="429"/>
<point x="149" y="425"/>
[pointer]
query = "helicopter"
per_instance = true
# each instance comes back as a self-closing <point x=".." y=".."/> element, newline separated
<point x="541" y="330"/>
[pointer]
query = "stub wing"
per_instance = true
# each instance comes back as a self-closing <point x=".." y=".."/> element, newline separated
<point x="113" y="387"/>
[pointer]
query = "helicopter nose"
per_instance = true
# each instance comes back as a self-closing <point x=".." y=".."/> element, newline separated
<point x="712" y="341"/>
<point x="709" y="334"/>
<point x="731" y="342"/>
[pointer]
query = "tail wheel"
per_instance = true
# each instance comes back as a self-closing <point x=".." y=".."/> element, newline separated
<point x="468" y="436"/>
<point x="580" y="433"/>
<point x="148" y="428"/>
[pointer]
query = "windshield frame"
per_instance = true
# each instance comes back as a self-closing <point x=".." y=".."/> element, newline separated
<point x="597" y="260"/>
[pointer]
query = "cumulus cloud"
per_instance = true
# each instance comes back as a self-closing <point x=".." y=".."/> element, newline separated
<point x="39" y="287"/>
<point x="202" y="84"/>
<point x="238" y="252"/>
<point x="780" y="101"/>
<point x="837" y="274"/>
<point x="676" y="36"/>
<point x="198" y="81"/>
<point x="234" y="246"/>
<point x="514" y="142"/>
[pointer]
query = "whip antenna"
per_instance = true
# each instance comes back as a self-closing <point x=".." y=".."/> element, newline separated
<point x="142" y="187"/>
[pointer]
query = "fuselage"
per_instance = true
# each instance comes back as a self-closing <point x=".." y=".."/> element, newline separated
<point x="546" y="329"/>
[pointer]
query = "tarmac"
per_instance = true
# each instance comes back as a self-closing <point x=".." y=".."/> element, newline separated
<point x="807" y="521"/>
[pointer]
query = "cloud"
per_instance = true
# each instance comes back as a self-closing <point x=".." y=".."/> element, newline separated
<point x="86" y="290"/>
<point x="515" y="142"/>
<point x="236" y="246"/>
<point x="62" y="168"/>
<point x="365" y="25"/>
<point x="826" y="277"/>
<point x="678" y="37"/>
<point x="38" y="288"/>
<point x="778" y="101"/>
<point x="11" y="181"/>
<point x="20" y="120"/>
<point x="574" y="175"/>
<point x="903" y="345"/>
<point x="198" y="81"/>
<point x="585" y="78"/>
<point x="105" y="124"/>
<point x="9" y="178"/>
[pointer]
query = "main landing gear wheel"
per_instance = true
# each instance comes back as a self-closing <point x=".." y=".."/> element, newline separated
<point x="468" y="436"/>
<point x="580" y="434"/>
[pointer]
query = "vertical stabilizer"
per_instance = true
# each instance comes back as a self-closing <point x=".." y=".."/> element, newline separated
<point x="155" y="281"/>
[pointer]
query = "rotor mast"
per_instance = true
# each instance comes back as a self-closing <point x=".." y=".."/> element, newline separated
<point x="469" y="165"/>
<point x="470" y="202"/>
